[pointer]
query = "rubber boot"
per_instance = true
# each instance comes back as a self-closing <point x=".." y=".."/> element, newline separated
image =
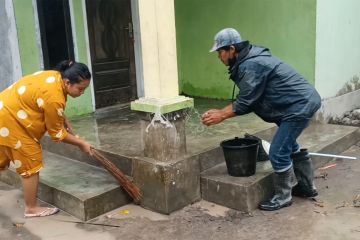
<point x="283" y="183"/>
<point x="304" y="172"/>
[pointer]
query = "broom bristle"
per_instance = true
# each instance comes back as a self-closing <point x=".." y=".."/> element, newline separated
<point x="128" y="186"/>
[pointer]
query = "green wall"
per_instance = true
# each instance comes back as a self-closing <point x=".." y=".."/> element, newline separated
<point x="81" y="105"/>
<point x="28" y="46"/>
<point x="30" y="52"/>
<point x="287" y="27"/>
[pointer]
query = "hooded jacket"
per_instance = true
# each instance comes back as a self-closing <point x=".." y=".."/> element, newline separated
<point x="271" y="88"/>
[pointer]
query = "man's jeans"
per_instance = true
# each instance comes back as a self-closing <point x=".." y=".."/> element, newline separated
<point x="284" y="144"/>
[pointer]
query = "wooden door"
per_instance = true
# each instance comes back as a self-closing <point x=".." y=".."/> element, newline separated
<point x="112" y="51"/>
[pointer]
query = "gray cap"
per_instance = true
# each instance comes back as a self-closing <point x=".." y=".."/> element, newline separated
<point x="226" y="37"/>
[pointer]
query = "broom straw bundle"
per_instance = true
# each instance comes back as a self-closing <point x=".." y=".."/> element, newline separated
<point x="128" y="186"/>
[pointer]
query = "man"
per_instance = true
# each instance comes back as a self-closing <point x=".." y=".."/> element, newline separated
<point x="278" y="94"/>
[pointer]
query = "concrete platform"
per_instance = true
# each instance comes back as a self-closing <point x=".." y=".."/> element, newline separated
<point x="80" y="189"/>
<point x="81" y="186"/>
<point x="245" y="193"/>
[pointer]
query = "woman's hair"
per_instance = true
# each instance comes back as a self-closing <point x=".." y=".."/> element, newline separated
<point x="74" y="71"/>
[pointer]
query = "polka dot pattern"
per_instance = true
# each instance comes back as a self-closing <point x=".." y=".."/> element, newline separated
<point x="17" y="164"/>
<point x="22" y="90"/>
<point x="22" y="114"/>
<point x="4" y="132"/>
<point x="40" y="102"/>
<point x="59" y="134"/>
<point x="50" y="79"/>
<point x="18" y="145"/>
<point x="60" y="112"/>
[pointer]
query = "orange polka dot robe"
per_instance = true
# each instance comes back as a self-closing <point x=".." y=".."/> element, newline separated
<point x="28" y="109"/>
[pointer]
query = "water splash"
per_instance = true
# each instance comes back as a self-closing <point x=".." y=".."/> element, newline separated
<point x="193" y="122"/>
<point x="159" y="118"/>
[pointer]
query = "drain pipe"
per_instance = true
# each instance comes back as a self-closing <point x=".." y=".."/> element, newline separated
<point x="331" y="155"/>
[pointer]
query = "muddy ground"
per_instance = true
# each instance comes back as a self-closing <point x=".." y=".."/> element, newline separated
<point x="334" y="215"/>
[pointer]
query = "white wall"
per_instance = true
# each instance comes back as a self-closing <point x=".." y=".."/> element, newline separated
<point x="337" y="45"/>
<point x="10" y="67"/>
<point x="337" y="63"/>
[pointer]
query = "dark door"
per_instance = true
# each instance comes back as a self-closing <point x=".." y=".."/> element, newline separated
<point x="112" y="52"/>
<point x="55" y="29"/>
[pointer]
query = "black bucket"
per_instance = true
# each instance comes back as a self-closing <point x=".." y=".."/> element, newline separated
<point x="240" y="156"/>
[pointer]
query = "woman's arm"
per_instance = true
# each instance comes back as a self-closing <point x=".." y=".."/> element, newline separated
<point x="68" y="125"/>
<point x="83" y="145"/>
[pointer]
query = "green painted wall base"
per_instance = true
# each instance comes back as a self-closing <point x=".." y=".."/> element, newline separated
<point x="162" y="105"/>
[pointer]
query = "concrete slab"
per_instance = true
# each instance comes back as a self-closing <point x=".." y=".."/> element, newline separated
<point x="322" y="138"/>
<point x="245" y="193"/>
<point x="122" y="162"/>
<point x="119" y="131"/>
<point x="80" y="189"/>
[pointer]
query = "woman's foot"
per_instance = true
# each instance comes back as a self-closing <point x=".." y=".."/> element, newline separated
<point x="40" y="212"/>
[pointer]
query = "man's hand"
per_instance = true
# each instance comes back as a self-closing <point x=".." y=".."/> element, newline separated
<point x="215" y="116"/>
<point x="212" y="117"/>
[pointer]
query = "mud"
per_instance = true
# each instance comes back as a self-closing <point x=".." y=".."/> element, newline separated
<point x="333" y="216"/>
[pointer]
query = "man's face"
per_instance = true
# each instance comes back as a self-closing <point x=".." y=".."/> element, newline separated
<point x="226" y="55"/>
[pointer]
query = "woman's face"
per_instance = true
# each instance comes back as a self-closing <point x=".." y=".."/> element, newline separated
<point x="77" y="89"/>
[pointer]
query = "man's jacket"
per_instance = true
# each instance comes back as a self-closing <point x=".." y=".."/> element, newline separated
<point x="272" y="89"/>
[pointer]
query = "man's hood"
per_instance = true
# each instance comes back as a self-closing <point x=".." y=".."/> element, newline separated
<point x="255" y="51"/>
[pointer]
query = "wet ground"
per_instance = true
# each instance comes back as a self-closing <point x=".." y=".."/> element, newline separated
<point x="334" y="215"/>
<point x="118" y="130"/>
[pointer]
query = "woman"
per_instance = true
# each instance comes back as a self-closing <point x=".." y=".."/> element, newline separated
<point x="29" y="108"/>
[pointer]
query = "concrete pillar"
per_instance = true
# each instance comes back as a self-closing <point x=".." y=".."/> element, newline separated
<point x="158" y="48"/>
<point x="161" y="141"/>
<point x="164" y="173"/>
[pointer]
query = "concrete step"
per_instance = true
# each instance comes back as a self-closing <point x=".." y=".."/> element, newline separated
<point x="82" y="190"/>
<point x="121" y="161"/>
<point x="245" y="193"/>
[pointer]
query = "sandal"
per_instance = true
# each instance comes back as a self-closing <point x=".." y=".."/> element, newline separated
<point x="46" y="212"/>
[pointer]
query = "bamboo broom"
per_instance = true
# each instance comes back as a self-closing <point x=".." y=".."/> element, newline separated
<point x="129" y="187"/>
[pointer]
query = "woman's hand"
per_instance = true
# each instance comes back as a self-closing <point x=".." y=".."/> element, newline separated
<point x="82" y="144"/>
<point x="86" y="148"/>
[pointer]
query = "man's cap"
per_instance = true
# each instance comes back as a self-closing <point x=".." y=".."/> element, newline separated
<point x="226" y="37"/>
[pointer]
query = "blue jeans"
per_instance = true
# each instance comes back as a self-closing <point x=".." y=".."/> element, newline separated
<point x="284" y="144"/>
